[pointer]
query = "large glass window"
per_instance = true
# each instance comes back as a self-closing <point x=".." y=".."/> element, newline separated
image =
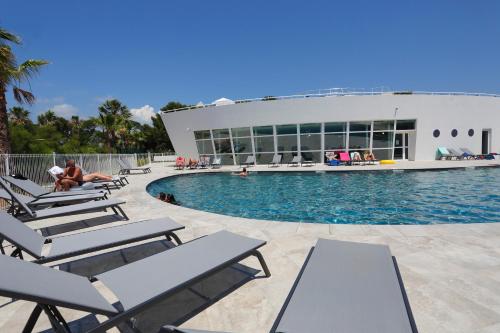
<point x="263" y="130"/>
<point x="359" y="140"/>
<point x="220" y="133"/>
<point x="310" y="142"/>
<point x="201" y="135"/>
<point x="382" y="154"/>
<point x="382" y="139"/>
<point x="335" y="141"/>
<point x="222" y="146"/>
<point x="242" y="145"/>
<point x="240" y="132"/>
<point x="264" y="144"/>
<point x="241" y="158"/>
<point x="405" y="124"/>
<point x="286" y="129"/>
<point x="383" y="125"/>
<point x="205" y="147"/>
<point x="287" y="143"/>
<point x="310" y="128"/>
<point x="264" y="158"/>
<point x="360" y="126"/>
<point x="314" y="156"/>
<point x="335" y="127"/>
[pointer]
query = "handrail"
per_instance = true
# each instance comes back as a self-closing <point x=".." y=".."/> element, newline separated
<point x="338" y="92"/>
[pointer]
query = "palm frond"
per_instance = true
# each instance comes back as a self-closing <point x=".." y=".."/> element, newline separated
<point x="29" y="68"/>
<point x="23" y="96"/>
<point x="8" y="36"/>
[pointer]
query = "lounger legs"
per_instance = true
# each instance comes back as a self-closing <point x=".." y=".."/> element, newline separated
<point x="56" y="319"/>
<point x="174" y="236"/>
<point x="262" y="263"/>
<point x="119" y="211"/>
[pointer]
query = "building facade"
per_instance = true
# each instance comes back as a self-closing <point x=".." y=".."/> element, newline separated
<point x="399" y="126"/>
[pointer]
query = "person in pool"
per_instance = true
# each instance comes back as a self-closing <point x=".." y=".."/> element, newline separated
<point x="244" y="172"/>
<point x="162" y="196"/>
<point x="171" y="199"/>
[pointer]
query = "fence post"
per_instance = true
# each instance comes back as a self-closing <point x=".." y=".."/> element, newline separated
<point x="110" y="165"/>
<point x="136" y="161"/>
<point x="99" y="169"/>
<point x="7" y="166"/>
<point x="80" y="160"/>
<point x="54" y="158"/>
<point x="149" y="156"/>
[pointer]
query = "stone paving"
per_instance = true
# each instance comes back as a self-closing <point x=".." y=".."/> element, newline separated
<point x="451" y="272"/>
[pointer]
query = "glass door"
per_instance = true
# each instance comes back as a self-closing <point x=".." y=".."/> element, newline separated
<point x="401" y="146"/>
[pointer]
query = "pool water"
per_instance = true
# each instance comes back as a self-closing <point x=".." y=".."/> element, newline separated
<point x="383" y="197"/>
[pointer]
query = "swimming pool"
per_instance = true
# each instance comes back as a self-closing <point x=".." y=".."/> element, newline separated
<point x="382" y="197"/>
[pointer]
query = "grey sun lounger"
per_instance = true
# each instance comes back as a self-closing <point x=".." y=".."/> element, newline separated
<point x="173" y="329"/>
<point x="39" y="192"/>
<point x="276" y="161"/>
<point x="137" y="286"/>
<point x="216" y="162"/>
<point x="347" y="287"/>
<point x="117" y="181"/>
<point x="25" y="212"/>
<point x="250" y="161"/>
<point x="296" y="160"/>
<point x="45" y="202"/>
<point x="455" y="154"/>
<point x="87" y="186"/>
<point x="125" y="168"/>
<point x="25" y="239"/>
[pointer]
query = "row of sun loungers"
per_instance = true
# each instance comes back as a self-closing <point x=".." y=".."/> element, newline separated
<point x="444" y="153"/>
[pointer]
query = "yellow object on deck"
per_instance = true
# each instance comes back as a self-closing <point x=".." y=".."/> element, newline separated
<point x="387" y="162"/>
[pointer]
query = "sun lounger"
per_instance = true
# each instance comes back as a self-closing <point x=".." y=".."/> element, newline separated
<point x="180" y="163"/>
<point x="296" y="161"/>
<point x="39" y="192"/>
<point x="173" y="329"/>
<point x="117" y="181"/>
<point x="347" y="287"/>
<point x="250" y="161"/>
<point x="216" y="163"/>
<point x="125" y="168"/>
<point x="204" y="162"/>
<point x="344" y="158"/>
<point x="455" y="154"/>
<point x="25" y="212"/>
<point x="44" y="202"/>
<point x="443" y="154"/>
<point x="137" y="286"/>
<point x="29" y="241"/>
<point x="468" y="154"/>
<point x="276" y="162"/>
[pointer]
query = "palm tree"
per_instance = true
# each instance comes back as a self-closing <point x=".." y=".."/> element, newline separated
<point x="113" y="116"/>
<point x="47" y="118"/>
<point x="19" y="116"/>
<point x="12" y="75"/>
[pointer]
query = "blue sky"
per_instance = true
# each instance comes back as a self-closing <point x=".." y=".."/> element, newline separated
<point x="146" y="53"/>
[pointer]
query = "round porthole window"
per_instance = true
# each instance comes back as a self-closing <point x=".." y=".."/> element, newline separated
<point x="471" y="132"/>
<point x="436" y="133"/>
<point x="454" y="132"/>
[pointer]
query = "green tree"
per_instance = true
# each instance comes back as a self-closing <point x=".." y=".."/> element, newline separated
<point x="173" y="105"/>
<point x="113" y="116"/>
<point x="19" y="116"/>
<point x="13" y="75"/>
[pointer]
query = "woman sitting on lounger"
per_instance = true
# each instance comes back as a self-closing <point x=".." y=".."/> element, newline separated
<point x="368" y="156"/>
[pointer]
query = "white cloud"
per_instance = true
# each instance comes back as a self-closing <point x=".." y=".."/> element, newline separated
<point x="143" y="114"/>
<point x="65" y="110"/>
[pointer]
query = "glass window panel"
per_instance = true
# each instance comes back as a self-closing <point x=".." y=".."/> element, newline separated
<point x="202" y="135"/>
<point x="240" y="131"/>
<point x="264" y="158"/>
<point x="264" y="144"/>
<point x="221" y="133"/>
<point x="405" y="124"/>
<point x="310" y="128"/>
<point x="227" y="159"/>
<point x="205" y="147"/>
<point x="241" y="158"/>
<point x="311" y="156"/>
<point x="383" y="125"/>
<point x="382" y="154"/>
<point x="310" y="142"/>
<point x="242" y="145"/>
<point x="360" y="126"/>
<point x="287" y="143"/>
<point x="382" y="139"/>
<point x="335" y="141"/>
<point x="335" y="127"/>
<point x="263" y="130"/>
<point x="222" y="146"/>
<point x="286" y="129"/>
<point x="359" y="140"/>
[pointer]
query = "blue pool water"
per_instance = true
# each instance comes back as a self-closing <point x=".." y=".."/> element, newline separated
<point x="416" y="197"/>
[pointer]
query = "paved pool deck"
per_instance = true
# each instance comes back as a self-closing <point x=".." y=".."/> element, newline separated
<point x="451" y="272"/>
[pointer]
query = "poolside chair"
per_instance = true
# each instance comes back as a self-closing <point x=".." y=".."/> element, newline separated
<point x="347" y="287"/>
<point x="204" y="162"/>
<point x="250" y="161"/>
<point x="118" y="181"/>
<point x="443" y="154"/>
<point x="180" y="163"/>
<point x="296" y="161"/>
<point x="468" y="154"/>
<point x="87" y="186"/>
<point x="137" y="286"/>
<point x="455" y="154"/>
<point x="126" y="168"/>
<point x="35" y="203"/>
<point x="276" y="162"/>
<point x="39" y="192"/>
<point x="25" y="239"/>
<point x="344" y="158"/>
<point x="21" y="209"/>
<point x="173" y="329"/>
<point x="356" y="158"/>
<point x="216" y="162"/>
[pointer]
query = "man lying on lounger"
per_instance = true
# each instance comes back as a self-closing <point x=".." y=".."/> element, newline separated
<point x="73" y="176"/>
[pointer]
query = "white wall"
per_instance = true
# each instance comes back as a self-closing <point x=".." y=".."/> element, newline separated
<point x="443" y="112"/>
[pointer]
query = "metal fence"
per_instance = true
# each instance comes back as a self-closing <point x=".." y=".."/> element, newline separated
<point x="36" y="166"/>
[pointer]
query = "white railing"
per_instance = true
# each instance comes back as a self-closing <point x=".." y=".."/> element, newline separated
<point x="35" y="166"/>
<point x="338" y="92"/>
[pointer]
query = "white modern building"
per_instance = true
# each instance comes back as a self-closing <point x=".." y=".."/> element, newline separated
<point x="396" y="125"/>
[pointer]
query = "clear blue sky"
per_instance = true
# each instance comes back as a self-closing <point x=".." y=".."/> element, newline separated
<point x="152" y="52"/>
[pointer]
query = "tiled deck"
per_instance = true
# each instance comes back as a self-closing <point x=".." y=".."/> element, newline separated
<point x="451" y="272"/>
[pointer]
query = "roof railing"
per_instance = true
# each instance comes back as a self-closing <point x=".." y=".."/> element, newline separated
<point x="337" y="92"/>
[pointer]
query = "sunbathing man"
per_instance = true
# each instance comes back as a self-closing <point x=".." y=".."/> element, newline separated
<point x="73" y="176"/>
<point x="368" y="156"/>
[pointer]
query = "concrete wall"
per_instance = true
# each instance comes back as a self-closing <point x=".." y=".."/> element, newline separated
<point x="443" y="112"/>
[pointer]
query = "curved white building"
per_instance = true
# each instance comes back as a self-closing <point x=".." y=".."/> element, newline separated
<point x="392" y="125"/>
